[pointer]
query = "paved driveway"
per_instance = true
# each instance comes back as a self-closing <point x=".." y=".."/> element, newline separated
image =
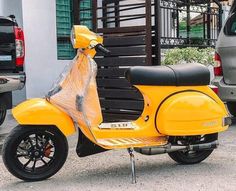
<point x="111" y="171"/>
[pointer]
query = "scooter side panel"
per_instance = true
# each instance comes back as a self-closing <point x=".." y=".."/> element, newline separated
<point x="41" y="112"/>
<point x="190" y="113"/>
<point x="150" y="125"/>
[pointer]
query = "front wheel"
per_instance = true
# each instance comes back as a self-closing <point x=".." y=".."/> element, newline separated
<point x="34" y="153"/>
<point x="192" y="157"/>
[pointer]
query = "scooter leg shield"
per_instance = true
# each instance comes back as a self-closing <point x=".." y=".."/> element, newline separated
<point x="41" y="112"/>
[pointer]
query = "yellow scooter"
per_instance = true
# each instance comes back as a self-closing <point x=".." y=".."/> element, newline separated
<point x="182" y="116"/>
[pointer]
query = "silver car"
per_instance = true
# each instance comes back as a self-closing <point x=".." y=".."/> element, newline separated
<point x="225" y="71"/>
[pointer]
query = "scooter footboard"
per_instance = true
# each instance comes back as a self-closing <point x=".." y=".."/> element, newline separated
<point x="190" y="113"/>
<point x="41" y="112"/>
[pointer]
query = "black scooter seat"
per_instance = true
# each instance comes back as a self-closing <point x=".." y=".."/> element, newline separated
<point x="172" y="75"/>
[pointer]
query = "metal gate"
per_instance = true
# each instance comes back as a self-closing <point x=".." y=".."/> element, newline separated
<point x="190" y="23"/>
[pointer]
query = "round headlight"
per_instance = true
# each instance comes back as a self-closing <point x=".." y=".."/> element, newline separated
<point x="72" y="37"/>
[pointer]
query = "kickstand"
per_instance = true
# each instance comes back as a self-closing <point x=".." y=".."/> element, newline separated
<point x="132" y="160"/>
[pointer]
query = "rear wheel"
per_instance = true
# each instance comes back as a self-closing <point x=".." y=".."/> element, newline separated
<point x="232" y="108"/>
<point x="192" y="157"/>
<point x="3" y="113"/>
<point x="35" y="153"/>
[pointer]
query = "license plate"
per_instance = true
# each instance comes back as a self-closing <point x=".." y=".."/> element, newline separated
<point x="5" y="58"/>
<point x="121" y="125"/>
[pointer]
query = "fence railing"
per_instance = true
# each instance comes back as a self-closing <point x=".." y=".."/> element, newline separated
<point x="185" y="23"/>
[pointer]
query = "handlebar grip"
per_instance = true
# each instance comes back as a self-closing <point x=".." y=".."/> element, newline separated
<point x="102" y="49"/>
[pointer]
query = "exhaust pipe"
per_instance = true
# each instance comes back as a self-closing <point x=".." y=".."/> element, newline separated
<point x="172" y="148"/>
<point x="204" y="146"/>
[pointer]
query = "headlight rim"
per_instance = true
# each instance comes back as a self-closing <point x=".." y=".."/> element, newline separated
<point x="73" y="37"/>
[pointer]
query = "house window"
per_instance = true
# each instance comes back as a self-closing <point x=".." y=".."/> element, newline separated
<point x="65" y="50"/>
<point x="86" y="13"/>
<point x="64" y="13"/>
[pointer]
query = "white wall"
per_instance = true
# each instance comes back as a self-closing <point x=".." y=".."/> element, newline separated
<point x="41" y="64"/>
<point x="226" y="10"/>
<point x="1" y="7"/>
<point x="12" y="7"/>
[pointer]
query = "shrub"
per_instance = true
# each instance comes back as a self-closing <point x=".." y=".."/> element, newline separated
<point x="189" y="55"/>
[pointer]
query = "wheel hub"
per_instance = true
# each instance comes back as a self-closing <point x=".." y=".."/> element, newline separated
<point x="36" y="153"/>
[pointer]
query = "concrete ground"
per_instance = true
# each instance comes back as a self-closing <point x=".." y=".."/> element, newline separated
<point x="6" y="127"/>
<point x="111" y="171"/>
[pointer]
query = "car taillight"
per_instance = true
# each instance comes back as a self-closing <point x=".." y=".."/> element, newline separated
<point x="20" y="46"/>
<point x="218" y="71"/>
<point x="214" y="88"/>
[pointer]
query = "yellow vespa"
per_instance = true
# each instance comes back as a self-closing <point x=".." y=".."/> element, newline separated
<point x="182" y="116"/>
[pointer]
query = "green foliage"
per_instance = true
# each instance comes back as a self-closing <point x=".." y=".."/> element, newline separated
<point x="189" y="55"/>
<point x="183" y="25"/>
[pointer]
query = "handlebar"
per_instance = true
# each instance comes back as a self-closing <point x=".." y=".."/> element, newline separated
<point x="102" y="49"/>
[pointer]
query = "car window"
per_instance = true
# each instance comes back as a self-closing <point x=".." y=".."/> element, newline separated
<point x="230" y="26"/>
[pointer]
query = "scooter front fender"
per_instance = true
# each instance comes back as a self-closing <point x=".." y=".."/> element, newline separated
<point x="41" y="112"/>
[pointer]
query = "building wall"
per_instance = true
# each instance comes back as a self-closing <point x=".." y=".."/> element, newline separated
<point x="12" y="7"/>
<point x="41" y="64"/>
<point x="1" y="7"/>
<point x="226" y="9"/>
<point x="227" y="2"/>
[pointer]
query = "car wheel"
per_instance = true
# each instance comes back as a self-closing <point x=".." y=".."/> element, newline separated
<point x="34" y="153"/>
<point x="3" y="113"/>
<point x="232" y="108"/>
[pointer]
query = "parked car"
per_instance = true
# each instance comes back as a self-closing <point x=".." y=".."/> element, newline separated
<point x="12" y="53"/>
<point x="225" y="56"/>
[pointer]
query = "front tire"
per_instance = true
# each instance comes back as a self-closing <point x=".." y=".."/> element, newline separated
<point x="194" y="157"/>
<point x="35" y="153"/>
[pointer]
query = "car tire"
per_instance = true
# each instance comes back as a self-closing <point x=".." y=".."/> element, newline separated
<point x="3" y="113"/>
<point x="232" y="108"/>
